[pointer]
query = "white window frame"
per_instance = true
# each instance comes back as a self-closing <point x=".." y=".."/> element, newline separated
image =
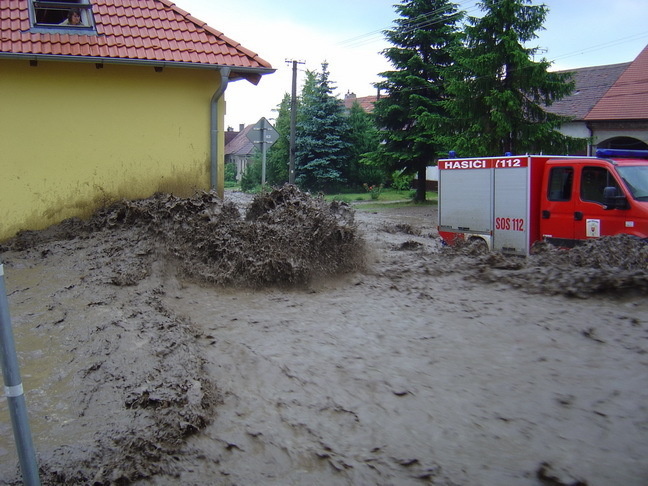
<point x="85" y="8"/>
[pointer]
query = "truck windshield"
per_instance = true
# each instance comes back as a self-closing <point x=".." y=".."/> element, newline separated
<point x="636" y="180"/>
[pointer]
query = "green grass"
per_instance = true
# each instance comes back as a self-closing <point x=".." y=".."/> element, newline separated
<point x="389" y="198"/>
<point x="377" y="206"/>
<point x="385" y="195"/>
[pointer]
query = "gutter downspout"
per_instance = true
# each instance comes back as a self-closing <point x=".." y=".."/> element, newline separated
<point x="213" y="126"/>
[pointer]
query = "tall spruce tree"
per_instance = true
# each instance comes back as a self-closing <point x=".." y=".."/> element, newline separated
<point x="412" y="113"/>
<point x="321" y="149"/>
<point x="499" y="91"/>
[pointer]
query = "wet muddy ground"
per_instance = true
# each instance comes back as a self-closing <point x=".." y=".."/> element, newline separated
<point x="285" y="341"/>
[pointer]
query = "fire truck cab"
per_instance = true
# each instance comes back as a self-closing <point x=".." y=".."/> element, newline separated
<point x="513" y="201"/>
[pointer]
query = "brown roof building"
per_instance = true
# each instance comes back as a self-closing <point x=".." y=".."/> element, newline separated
<point x="240" y="150"/>
<point x="591" y="84"/>
<point x="365" y="102"/>
<point x="627" y="99"/>
<point x="609" y="105"/>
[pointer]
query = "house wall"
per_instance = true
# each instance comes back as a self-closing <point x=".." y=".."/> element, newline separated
<point x="74" y="137"/>
<point x="577" y="129"/>
<point x="604" y="132"/>
<point x="600" y="132"/>
<point x="241" y="162"/>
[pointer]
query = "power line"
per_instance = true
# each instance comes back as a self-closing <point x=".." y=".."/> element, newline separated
<point x="428" y="20"/>
<point x="632" y="83"/>
<point x="432" y="18"/>
<point x="424" y="20"/>
<point x="605" y="45"/>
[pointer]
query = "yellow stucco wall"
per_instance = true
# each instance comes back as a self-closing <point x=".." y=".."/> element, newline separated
<point x="74" y="137"/>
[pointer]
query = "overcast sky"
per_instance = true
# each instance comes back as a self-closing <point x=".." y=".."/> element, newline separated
<point x="347" y="34"/>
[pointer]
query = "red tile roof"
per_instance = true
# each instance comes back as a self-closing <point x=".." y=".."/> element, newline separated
<point x="591" y="84"/>
<point x="365" y="102"/>
<point x="627" y="99"/>
<point x="133" y="30"/>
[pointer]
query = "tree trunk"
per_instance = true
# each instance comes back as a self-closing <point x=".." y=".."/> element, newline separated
<point x="420" y="187"/>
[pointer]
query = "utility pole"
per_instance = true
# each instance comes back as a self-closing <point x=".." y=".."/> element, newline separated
<point x="293" y="120"/>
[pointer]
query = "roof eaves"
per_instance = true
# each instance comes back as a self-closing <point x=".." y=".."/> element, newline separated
<point x="243" y="72"/>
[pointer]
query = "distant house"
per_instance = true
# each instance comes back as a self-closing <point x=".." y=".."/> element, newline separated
<point x="240" y="150"/>
<point x="126" y="103"/>
<point x="609" y="105"/>
<point x="230" y="134"/>
<point x="365" y="102"/>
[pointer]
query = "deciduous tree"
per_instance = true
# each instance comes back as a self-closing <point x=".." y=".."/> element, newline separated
<point x="279" y="154"/>
<point x="364" y="138"/>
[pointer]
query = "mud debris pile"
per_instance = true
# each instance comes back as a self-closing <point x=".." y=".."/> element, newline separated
<point x="614" y="265"/>
<point x="141" y="391"/>
<point x="140" y="387"/>
<point x="286" y="237"/>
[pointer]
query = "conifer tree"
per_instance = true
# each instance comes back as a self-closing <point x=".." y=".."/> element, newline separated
<point x="411" y="113"/>
<point x="499" y="91"/>
<point x="321" y="149"/>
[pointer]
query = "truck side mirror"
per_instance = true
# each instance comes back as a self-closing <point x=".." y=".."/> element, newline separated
<point x="613" y="200"/>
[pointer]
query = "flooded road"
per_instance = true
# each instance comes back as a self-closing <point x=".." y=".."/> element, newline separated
<point x="42" y="354"/>
<point x="421" y="367"/>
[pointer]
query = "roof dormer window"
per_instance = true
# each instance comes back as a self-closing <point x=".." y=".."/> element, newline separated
<point x="64" y="14"/>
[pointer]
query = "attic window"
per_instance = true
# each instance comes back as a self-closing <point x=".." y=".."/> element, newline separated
<point x="64" y="14"/>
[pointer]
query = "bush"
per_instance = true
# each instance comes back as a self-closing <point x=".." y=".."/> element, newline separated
<point x="401" y="181"/>
<point x="374" y="191"/>
<point x="230" y="172"/>
<point x="251" y="179"/>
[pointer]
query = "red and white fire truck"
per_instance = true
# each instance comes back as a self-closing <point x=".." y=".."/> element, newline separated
<point x="511" y="202"/>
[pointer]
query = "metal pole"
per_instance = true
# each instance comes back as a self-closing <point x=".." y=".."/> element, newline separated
<point x="14" y="393"/>
<point x="293" y="124"/>
<point x="263" y="152"/>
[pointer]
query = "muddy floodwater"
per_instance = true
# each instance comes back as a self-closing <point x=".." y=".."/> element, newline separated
<point x="285" y="341"/>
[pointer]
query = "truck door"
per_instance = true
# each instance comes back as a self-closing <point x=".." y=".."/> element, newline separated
<point x="511" y="205"/>
<point x="466" y="196"/>
<point x="596" y="219"/>
<point x="558" y="206"/>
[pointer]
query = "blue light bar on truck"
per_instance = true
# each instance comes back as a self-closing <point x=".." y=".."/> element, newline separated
<point x="632" y="154"/>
